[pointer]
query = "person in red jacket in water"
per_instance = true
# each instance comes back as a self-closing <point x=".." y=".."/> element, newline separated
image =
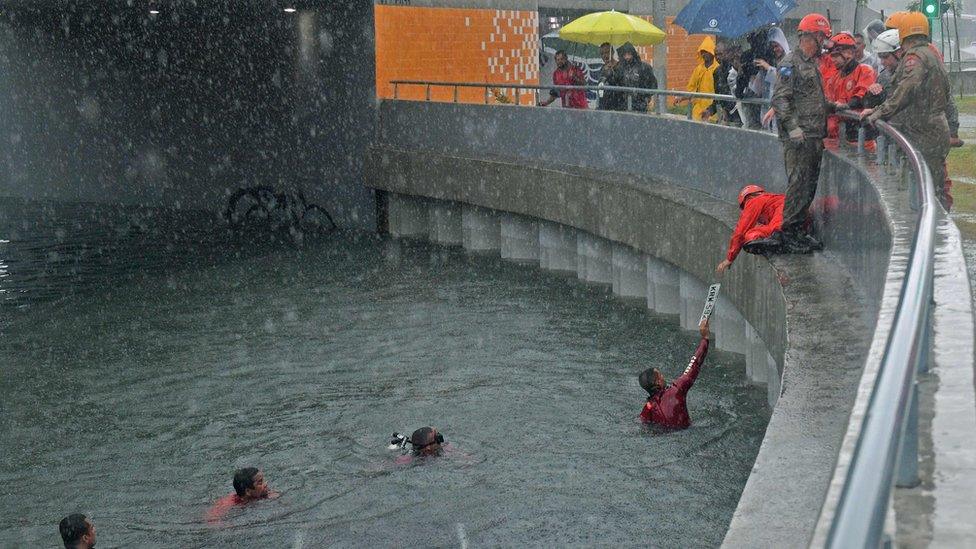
<point x="666" y="403"/>
<point x="762" y="215"/>
<point x="249" y="486"/>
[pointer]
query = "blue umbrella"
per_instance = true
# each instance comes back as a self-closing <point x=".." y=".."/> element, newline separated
<point x="731" y="18"/>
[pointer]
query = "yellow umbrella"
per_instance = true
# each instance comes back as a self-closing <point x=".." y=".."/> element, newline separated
<point x="613" y="27"/>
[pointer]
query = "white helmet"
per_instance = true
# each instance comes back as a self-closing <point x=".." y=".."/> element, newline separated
<point x="886" y="42"/>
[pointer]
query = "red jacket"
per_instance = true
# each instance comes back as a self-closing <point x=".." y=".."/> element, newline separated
<point x="668" y="407"/>
<point x="765" y="210"/>
<point x="571" y="76"/>
<point x="827" y="69"/>
<point x="849" y="84"/>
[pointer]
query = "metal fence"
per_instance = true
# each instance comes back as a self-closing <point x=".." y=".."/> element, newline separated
<point x="886" y="452"/>
<point x="660" y="106"/>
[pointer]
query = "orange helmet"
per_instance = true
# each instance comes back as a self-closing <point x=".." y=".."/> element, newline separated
<point x="746" y="191"/>
<point x="892" y="21"/>
<point x="843" y="40"/>
<point x="913" y="23"/>
<point x="814" y="22"/>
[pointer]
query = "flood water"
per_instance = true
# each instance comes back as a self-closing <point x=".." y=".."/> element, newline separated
<point x="145" y="357"/>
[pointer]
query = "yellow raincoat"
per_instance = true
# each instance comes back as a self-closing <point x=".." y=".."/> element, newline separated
<point x="703" y="79"/>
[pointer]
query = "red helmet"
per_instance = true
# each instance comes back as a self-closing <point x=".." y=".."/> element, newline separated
<point x="814" y="22"/>
<point x="746" y="191"/>
<point x="843" y="40"/>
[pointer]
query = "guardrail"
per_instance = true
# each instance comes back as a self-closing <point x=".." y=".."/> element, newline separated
<point x="886" y="452"/>
<point x="660" y="107"/>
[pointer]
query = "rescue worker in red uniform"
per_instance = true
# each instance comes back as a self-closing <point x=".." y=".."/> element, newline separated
<point x="846" y="87"/>
<point x="667" y="403"/>
<point x="762" y="215"/>
<point x="567" y="74"/>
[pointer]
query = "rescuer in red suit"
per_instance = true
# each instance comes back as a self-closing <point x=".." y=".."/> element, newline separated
<point x="666" y="403"/>
<point x="847" y="86"/>
<point x="762" y="215"/>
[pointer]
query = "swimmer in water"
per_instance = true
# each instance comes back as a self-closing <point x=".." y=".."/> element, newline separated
<point x="249" y="486"/>
<point x="666" y="404"/>
<point x="426" y="441"/>
<point x="77" y="532"/>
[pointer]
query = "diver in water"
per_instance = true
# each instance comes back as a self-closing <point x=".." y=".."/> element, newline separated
<point x="425" y="441"/>
<point x="666" y="403"/>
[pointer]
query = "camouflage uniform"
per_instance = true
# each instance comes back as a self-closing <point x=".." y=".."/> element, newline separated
<point x="917" y="107"/>
<point x="799" y="102"/>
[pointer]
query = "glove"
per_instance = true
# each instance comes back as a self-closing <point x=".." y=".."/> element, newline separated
<point x="796" y="135"/>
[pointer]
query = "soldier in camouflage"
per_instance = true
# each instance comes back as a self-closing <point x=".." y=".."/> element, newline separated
<point x="917" y="106"/>
<point x="801" y="112"/>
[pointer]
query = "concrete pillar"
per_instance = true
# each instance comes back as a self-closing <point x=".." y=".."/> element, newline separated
<point x="444" y="223"/>
<point x="629" y="271"/>
<point x="593" y="259"/>
<point x="557" y="247"/>
<point x="666" y="287"/>
<point x="519" y="238"/>
<point x="407" y="216"/>
<point x="693" y="293"/>
<point x="773" y="381"/>
<point x="480" y="229"/>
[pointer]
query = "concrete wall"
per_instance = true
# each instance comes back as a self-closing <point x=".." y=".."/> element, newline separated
<point x="663" y="189"/>
<point x="622" y="230"/>
<point x="686" y="154"/>
<point x="102" y="101"/>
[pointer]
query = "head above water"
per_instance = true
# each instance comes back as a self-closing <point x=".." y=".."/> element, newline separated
<point x="77" y="532"/>
<point x="652" y="381"/>
<point x="249" y="484"/>
<point x="426" y="441"/>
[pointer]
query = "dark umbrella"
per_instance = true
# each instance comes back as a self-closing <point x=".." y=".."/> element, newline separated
<point x="731" y="18"/>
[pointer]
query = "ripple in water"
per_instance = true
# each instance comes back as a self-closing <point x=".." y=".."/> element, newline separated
<point x="137" y="378"/>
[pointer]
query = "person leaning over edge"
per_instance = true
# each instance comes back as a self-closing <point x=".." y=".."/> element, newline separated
<point x="762" y="215"/>
<point x="801" y="115"/>
<point x="77" y="531"/>
<point x="667" y="403"/>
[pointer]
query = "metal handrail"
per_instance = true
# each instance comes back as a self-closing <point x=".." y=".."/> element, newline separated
<point x="428" y="84"/>
<point x="860" y="515"/>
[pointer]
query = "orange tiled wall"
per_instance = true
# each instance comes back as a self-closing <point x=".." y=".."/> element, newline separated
<point x="483" y="45"/>
<point x="455" y="45"/>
